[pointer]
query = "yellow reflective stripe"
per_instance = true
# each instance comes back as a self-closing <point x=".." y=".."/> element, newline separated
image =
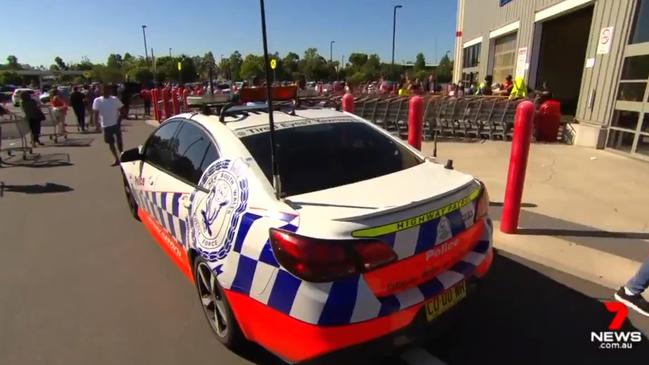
<point x="417" y="220"/>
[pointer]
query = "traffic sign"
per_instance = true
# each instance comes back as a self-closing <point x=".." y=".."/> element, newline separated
<point x="180" y="66"/>
<point x="273" y="63"/>
<point x="605" y="38"/>
<point x="87" y="74"/>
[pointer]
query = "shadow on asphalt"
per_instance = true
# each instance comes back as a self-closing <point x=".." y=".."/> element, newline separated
<point x="71" y="142"/>
<point x="524" y="317"/>
<point x="33" y="189"/>
<point x="38" y="160"/>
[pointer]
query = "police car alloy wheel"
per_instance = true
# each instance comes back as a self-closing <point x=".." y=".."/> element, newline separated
<point x="215" y="306"/>
<point x="130" y="199"/>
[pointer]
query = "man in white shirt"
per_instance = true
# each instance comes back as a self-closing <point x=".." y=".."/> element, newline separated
<point x="107" y="110"/>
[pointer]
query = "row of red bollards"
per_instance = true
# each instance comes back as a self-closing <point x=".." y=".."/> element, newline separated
<point x="523" y="126"/>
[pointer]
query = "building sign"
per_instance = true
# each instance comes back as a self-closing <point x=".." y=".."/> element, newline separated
<point x="504" y="2"/>
<point x="605" y="39"/>
<point x="521" y="62"/>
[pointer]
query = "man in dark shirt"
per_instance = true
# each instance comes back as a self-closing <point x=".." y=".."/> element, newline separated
<point x="78" y="105"/>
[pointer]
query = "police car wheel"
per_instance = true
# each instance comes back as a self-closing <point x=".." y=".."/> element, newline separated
<point x="130" y="199"/>
<point x="216" y="307"/>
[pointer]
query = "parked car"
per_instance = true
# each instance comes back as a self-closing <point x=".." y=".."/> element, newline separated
<point x="15" y="97"/>
<point x="367" y="237"/>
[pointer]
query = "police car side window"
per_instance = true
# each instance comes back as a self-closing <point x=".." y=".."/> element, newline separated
<point x="193" y="152"/>
<point x="159" y="149"/>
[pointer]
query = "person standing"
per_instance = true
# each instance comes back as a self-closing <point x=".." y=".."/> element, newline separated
<point x="107" y="110"/>
<point x="79" y="107"/>
<point x="145" y="94"/>
<point x="631" y="293"/>
<point x="59" y="111"/>
<point x="34" y="116"/>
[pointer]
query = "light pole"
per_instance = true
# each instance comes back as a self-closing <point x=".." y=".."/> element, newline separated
<point x="146" y="52"/>
<point x="394" y="28"/>
<point x="169" y="51"/>
<point x="331" y="50"/>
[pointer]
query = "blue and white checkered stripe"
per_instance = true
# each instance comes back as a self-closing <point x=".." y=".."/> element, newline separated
<point x="253" y="270"/>
<point x="165" y="208"/>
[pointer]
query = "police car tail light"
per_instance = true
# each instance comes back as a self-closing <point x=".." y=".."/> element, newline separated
<point x="319" y="260"/>
<point x="482" y="209"/>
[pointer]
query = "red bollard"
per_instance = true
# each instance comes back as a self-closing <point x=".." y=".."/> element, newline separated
<point x="517" y="165"/>
<point x="415" y="121"/>
<point x="174" y="101"/>
<point x="166" y="95"/>
<point x="155" y="99"/>
<point x="348" y="103"/>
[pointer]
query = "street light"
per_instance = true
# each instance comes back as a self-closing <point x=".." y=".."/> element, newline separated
<point x="394" y="28"/>
<point x="169" y="51"/>
<point x="331" y="50"/>
<point x="146" y="52"/>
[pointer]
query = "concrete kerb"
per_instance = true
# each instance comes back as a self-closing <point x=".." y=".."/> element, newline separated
<point x="596" y="266"/>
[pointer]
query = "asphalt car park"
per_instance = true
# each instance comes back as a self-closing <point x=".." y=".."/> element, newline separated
<point x="85" y="283"/>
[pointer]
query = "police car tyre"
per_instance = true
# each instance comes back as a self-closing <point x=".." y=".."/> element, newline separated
<point x="130" y="199"/>
<point x="216" y="307"/>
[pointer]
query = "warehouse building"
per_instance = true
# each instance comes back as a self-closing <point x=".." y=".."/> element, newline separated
<point x="592" y="54"/>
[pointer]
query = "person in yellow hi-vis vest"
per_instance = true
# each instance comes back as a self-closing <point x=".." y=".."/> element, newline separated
<point x="519" y="90"/>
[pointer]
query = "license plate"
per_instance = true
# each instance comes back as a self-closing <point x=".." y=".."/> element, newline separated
<point x="443" y="302"/>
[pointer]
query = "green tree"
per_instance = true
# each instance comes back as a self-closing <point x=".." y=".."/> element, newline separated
<point x="224" y="68"/>
<point x="142" y="75"/>
<point x="291" y="64"/>
<point x="445" y="69"/>
<point x="10" y="78"/>
<point x="12" y="63"/>
<point x="357" y="60"/>
<point x="115" y="61"/>
<point x="420" y="62"/>
<point x="60" y="64"/>
<point x="235" y="62"/>
<point x="207" y="62"/>
<point x="252" y="66"/>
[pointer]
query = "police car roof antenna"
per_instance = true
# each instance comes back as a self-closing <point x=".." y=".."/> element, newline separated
<point x="269" y="100"/>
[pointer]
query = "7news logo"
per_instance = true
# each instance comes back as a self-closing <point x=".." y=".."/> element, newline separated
<point x="614" y="338"/>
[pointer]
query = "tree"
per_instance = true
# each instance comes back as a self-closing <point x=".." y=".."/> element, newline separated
<point x="235" y="62"/>
<point x="10" y="78"/>
<point x="252" y="66"/>
<point x="420" y="62"/>
<point x="357" y="60"/>
<point x="224" y="67"/>
<point x="445" y="69"/>
<point x="291" y="64"/>
<point x="115" y="61"/>
<point x="60" y="64"/>
<point x="206" y="63"/>
<point x="143" y="75"/>
<point x="12" y="63"/>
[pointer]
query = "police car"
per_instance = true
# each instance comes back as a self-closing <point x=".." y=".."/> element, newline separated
<point x="359" y="237"/>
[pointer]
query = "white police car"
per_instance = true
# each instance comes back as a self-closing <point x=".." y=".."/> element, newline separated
<point x="367" y="236"/>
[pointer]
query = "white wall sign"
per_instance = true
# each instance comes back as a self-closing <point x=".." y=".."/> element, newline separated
<point x="521" y="62"/>
<point x="605" y="39"/>
<point x="590" y="62"/>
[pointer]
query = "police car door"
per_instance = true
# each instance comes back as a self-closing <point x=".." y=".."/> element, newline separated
<point x="174" y="167"/>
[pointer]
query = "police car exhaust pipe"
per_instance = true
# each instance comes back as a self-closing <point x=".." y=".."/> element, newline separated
<point x="269" y="100"/>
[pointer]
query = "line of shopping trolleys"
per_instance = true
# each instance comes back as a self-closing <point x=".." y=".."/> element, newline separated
<point x="488" y="117"/>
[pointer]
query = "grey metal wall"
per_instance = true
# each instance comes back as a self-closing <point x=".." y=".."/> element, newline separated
<point x="602" y="79"/>
<point x="484" y="16"/>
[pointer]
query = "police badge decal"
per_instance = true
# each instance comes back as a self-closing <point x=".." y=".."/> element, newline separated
<point x="214" y="215"/>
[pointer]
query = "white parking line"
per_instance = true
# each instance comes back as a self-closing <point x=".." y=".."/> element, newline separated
<point x="419" y="356"/>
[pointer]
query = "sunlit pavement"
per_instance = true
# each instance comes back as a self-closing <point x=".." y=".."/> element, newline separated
<point x="83" y="283"/>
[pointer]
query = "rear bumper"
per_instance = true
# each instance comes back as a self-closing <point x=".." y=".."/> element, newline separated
<point x="297" y="341"/>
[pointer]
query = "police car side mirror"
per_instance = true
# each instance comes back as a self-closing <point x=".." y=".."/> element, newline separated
<point x="131" y="155"/>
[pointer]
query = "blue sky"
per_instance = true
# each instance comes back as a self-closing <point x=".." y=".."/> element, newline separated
<point x="72" y="29"/>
